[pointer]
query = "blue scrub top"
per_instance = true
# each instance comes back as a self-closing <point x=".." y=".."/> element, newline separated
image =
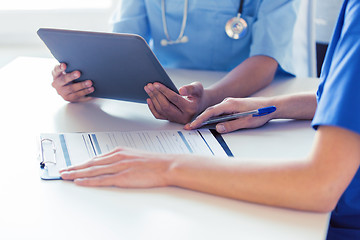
<point x="339" y="105"/>
<point x="270" y="22"/>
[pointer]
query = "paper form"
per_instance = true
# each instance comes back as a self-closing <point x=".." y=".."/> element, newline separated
<point x="75" y="148"/>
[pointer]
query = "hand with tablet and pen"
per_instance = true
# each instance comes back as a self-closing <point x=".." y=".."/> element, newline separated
<point x="233" y="114"/>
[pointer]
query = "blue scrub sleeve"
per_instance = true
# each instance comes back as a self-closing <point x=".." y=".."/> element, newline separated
<point x="339" y="92"/>
<point x="273" y="31"/>
<point x="131" y="17"/>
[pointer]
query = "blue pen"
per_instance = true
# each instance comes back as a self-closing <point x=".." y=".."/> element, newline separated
<point x="256" y="113"/>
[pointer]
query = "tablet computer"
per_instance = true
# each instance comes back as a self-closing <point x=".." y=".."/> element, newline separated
<point x="120" y="65"/>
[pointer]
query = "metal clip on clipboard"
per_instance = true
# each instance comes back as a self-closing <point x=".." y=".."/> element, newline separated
<point x="44" y="161"/>
<point x="42" y="155"/>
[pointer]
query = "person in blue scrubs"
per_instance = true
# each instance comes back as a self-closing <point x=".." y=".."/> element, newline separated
<point x="327" y="180"/>
<point x="253" y="59"/>
<point x="208" y="46"/>
<point x="339" y="105"/>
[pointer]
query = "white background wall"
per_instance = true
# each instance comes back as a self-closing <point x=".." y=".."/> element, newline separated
<point x="20" y="19"/>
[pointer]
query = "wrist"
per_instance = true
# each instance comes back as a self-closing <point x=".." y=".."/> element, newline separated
<point x="278" y="103"/>
<point x="206" y="100"/>
<point x="294" y="106"/>
<point x="177" y="169"/>
<point x="171" y="172"/>
<point x="211" y="97"/>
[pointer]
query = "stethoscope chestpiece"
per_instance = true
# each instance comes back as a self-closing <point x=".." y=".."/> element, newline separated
<point x="236" y="27"/>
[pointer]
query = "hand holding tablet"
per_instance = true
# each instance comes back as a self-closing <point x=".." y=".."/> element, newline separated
<point x="119" y="65"/>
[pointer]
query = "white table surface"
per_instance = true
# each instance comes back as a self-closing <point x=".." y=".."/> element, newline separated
<point x="31" y="208"/>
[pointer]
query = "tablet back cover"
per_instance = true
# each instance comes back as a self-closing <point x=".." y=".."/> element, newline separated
<point x="120" y="65"/>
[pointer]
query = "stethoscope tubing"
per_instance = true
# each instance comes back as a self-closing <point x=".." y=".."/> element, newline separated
<point x="182" y="39"/>
<point x="181" y="36"/>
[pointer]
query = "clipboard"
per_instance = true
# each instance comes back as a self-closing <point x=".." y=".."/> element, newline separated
<point x="61" y="150"/>
<point x="120" y="65"/>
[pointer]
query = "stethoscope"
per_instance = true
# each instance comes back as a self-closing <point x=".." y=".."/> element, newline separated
<point x="235" y="28"/>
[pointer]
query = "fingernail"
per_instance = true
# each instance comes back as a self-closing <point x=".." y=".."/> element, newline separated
<point x="146" y="89"/>
<point x="151" y="87"/>
<point x="220" y="128"/>
<point x="88" y="83"/>
<point x="76" y="75"/>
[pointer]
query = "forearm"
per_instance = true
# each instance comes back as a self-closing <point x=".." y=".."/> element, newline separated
<point x="250" y="76"/>
<point x="294" y="106"/>
<point x="312" y="184"/>
<point x="289" y="187"/>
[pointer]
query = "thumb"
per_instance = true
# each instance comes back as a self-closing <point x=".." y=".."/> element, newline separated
<point x="193" y="89"/>
<point x="241" y="123"/>
<point x="230" y="126"/>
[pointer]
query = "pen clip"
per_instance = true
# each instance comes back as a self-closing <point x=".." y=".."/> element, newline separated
<point x="265" y="111"/>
